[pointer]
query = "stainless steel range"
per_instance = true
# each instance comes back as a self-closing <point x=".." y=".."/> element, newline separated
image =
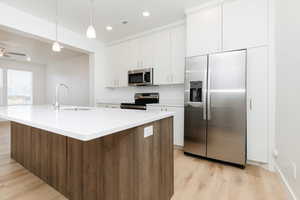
<point x="141" y="100"/>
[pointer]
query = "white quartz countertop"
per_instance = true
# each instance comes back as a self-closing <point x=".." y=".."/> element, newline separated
<point x="82" y="124"/>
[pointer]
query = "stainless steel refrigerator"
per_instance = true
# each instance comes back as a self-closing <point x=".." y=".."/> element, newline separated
<point x="215" y="106"/>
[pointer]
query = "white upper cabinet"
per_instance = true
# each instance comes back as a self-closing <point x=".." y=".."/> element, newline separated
<point x="245" y="24"/>
<point x="163" y="50"/>
<point x="123" y="64"/>
<point x="162" y="58"/>
<point x="178" y="50"/>
<point x="111" y="66"/>
<point x="134" y="54"/>
<point x="117" y="65"/>
<point x="204" y="31"/>
<point x="146" y="51"/>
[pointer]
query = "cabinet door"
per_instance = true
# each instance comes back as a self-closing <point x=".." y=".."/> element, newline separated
<point x="134" y="58"/>
<point x="178" y="54"/>
<point x="245" y="24"/>
<point x="178" y="125"/>
<point x="162" y="58"/>
<point x="111" y="76"/>
<point x="147" y="47"/>
<point x="204" y="31"/>
<point x="123" y="64"/>
<point x="257" y="127"/>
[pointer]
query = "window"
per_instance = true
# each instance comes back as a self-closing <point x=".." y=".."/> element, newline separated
<point x="19" y="87"/>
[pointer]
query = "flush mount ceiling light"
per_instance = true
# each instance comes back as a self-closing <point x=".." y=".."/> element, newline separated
<point x="91" y="31"/>
<point x="146" y="13"/>
<point x="109" y="28"/>
<point x="56" y="46"/>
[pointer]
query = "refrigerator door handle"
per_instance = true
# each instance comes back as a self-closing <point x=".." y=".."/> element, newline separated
<point x="208" y="92"/>
<point x="204" y="92"/>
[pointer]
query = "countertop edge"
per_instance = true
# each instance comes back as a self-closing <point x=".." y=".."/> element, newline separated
<point x="93" y="136"/>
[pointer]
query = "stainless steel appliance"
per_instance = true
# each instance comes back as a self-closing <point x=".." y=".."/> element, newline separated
<point x="140" y="77"/>
<point x="215" y="107"/>
<point x="141" y="100"/>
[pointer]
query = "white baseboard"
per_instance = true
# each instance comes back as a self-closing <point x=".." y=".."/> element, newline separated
<point x="260" y="164"/>
<point x="178" y="147"/>
<point x="290" y="191"/>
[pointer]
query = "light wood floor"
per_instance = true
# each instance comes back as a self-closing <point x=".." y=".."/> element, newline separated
<point x="195" y="179"/>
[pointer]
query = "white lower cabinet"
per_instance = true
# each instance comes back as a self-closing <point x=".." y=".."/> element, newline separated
<point x="257" y="111"/>
<point x="178" y="123"/>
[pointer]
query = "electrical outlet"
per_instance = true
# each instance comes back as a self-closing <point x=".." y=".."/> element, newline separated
<point x="148" y="131"/>
<point x="294" y="167"/>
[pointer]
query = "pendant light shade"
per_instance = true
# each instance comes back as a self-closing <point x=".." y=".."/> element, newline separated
<point x="91" y="31"/>
<point x="56" y="46"/>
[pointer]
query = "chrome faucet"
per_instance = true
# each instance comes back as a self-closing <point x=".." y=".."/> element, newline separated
<point x="57" y="104"/>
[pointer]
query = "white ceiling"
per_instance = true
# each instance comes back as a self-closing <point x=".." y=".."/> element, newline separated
<point x="75" y="14"/>
<point x="40" y="52"/>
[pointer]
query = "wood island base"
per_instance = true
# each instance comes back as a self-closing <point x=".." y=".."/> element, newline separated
<point x="121" y="166"/>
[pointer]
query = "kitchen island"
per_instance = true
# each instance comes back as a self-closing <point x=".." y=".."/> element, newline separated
<point x="95" y="154"/>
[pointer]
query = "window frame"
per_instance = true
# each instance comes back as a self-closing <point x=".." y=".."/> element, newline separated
<point x="5" y="84"/>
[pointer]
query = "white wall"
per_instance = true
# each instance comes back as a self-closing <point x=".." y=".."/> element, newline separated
<point x="169" y="94"/>
<point x="21" y="22"/>
<point x="73" y="72"/>
<point x="288" y="90"/>
<point x="38" y="77"/>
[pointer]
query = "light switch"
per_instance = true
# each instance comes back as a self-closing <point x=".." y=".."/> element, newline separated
<point x="148" y="131"/>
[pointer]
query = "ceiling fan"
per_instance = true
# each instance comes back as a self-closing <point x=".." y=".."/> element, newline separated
<point x="5" y="53"/>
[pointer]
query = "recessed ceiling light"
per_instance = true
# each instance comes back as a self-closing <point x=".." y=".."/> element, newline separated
<point x="109" y="28"/>
<point x="146" y="14"/>
<point x="28" y="58"/>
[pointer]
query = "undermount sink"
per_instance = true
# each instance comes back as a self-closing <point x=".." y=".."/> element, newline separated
<point x="76" y="108"/>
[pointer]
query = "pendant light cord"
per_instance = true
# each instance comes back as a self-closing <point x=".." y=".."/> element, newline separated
<point x="56" y="20"/>
<point x="92" y="12"/>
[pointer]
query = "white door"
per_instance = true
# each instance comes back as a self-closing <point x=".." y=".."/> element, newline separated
<point x="178" y="54"/>
<point x="257" y="127"/>
<point x="245" y="24"/>
<point x="204" y="31"/>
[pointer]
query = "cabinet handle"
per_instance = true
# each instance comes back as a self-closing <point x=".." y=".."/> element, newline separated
<point x="251" y="104"/>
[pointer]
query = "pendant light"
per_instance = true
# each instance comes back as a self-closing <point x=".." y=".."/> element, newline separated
<point x="56" y="46"/>
<point x="91" y="31"/>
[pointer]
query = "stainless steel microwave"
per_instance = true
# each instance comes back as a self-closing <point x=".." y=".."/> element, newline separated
<point x="140" y="77"/>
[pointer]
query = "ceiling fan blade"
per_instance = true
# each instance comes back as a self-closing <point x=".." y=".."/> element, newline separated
<point x="7" y="56"/>
<point x="16" y="54"/>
